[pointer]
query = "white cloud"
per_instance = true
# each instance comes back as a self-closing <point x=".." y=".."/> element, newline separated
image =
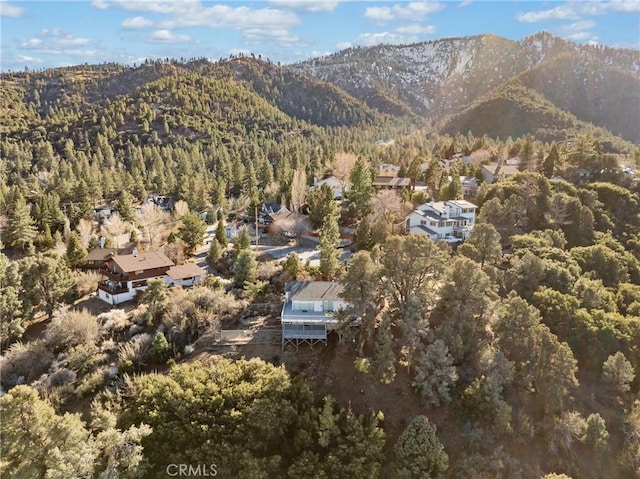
<point x="465" y="3"/>
<point x="26" y="59"/>
<point x="261" y="35"/>
<point x="561" y="12"/>
<point x="412" y="10"/>
<point x="167" y="36"/>
<point x="53" y="40"/>
<point x="136" y="23"/>
<point x="8" y="10"/>
<point x="315" y="6"/>
<point x="343" y="45"/>
<point x="154" y="6"/>
<point x="577" y="10"/>
<point x="238" y="18"/>
<point x="581" y="25"/>
<point x="416" y="29"/>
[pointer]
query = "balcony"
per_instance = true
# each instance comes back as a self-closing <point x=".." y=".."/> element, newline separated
<point x="112" y="287"/>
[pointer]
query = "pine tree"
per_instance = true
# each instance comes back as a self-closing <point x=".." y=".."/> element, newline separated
<point x="76" y="253"/>
<point x="360" y="191"/>
<point x="244" y="240"/>
<point x="215" y="253"/>
<point x="36" y="442"/>
<point x="550" y="163"/>
<point x="19" y="230"/>
<point x="245" y="268"/>
<point x="125" y="206"/>
<point x="419" y="452"/>
<point x="221" y="234"/>
<point x="192" y="231"/>
<point x="329" y="253"/>
<point x="321" y="205"/>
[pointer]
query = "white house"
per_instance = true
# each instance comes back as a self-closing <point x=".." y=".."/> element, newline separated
<point x="307" y="313"/>
<point x="451" y="221"/>
<point x="336" y="185"/>
<point x="128" y="274"/>
<point x="184" y="275"/>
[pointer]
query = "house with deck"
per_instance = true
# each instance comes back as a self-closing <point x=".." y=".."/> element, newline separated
<point x="308" y="311"/>
<point x="127" y="275"/>
<point x="451" y="221"/>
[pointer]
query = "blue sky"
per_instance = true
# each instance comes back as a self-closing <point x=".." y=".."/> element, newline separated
<point x="39" y="34"/>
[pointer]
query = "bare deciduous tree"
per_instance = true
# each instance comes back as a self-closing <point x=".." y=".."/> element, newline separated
<point x="298" y="190"/>
<point x="85" y="231"/>
<point x="181" y="208"/>
<point x="343" y="163"/>
<point x="155" y="223"/>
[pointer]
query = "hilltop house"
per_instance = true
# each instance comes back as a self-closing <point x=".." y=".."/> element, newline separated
<point x="128" y="274"/>
<point x="451" y="221"/>
<point x="307" y="313"/>
<point x="492" y="172"/>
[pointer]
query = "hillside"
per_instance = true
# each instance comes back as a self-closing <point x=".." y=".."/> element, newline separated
<point x="443" y="77"/>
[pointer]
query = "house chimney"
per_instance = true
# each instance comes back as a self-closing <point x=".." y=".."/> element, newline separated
<point x="134" y="252"/>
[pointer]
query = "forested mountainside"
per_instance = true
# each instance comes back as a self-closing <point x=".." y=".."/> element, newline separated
<point x="434" y="79"/>
<point x="513" y="355"/>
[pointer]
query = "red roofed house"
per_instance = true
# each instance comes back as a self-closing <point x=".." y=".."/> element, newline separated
<point x="126" y="275"/>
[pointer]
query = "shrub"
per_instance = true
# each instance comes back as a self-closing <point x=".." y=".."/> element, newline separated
<point x="86" y="282"/>
<point x="114" y="321"/>
<point x="69" y="328"/>
<point x="90" y="384"/>
<point x="83" y="358"/>
<point x="24" y="362"/>
<point x="160" y="351"/>
<point x="132" y="356"/>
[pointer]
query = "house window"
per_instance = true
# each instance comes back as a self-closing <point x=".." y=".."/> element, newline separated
<point x="140" y="271"/>
<point x="303" y="306"/>
<point x="139" y="284"/>
<point x="328" y="306"/>
<point x="423" y="222"/>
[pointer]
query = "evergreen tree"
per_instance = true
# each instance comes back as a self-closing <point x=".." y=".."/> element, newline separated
<point x="76" y="253"/>
<point x="245" y="268"/>
<point x="124" y="206"/>
<point x="215" y="253"/>
<point x="46" y="279"/>
<point x="321" y="205"/>
<point x="360" y="192"/>
<point x="551" y="162"/>
<point x="192" y="231"/>
<point x="419" y="452"/>
<point x="19" y="230"/>
<point x="329" y="252"/>
<point x="156" y="299"/>
<point x="244" y="240"/>
<point x="36" y="442"/>
<point x="221" y="234"/>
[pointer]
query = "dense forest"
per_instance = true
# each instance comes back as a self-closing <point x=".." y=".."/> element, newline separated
<point x="515" y="354"/>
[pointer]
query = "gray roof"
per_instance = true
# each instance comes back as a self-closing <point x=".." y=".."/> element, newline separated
<point x="183" y="271"/>
<point x="314" y="290"/>
<point x="425" y="229"/>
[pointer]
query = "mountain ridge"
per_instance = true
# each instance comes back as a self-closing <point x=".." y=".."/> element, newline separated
<point x="443" y="77"/>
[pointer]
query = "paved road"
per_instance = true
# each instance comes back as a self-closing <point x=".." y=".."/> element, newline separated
<point x="279" y="253"/>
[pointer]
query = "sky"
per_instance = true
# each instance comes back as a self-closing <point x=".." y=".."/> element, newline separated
<point x="42" y="34"/>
